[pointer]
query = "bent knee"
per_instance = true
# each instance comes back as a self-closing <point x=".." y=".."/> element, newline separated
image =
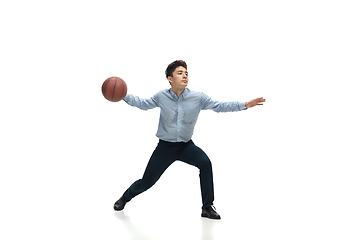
<point x="205" y="164"/>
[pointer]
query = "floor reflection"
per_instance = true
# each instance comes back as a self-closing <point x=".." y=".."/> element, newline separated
<point x="206" y="228"/>
<point x="134" y="232"/>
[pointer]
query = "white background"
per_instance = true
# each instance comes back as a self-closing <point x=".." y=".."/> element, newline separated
<point x="285" y="170"/>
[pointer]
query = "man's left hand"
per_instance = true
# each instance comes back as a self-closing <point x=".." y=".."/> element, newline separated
<point x="255" y="102"/>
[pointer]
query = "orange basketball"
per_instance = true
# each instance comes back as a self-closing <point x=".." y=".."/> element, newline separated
<point x="114" y="89"/>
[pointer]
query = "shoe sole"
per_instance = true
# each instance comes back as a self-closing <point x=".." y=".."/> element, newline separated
<point x="118" y="209"/>
<point x="207" y="216"/>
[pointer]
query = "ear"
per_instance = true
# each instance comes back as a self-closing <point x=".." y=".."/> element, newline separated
<point x="169" y="79"/>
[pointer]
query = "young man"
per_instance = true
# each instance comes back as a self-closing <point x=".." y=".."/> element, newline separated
<point x="180" y="109"/>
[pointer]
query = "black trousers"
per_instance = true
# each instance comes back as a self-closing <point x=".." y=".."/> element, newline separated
<point x="163" y="156"/>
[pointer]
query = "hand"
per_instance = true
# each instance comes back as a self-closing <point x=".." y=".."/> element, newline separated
<point x="254" y="102"/>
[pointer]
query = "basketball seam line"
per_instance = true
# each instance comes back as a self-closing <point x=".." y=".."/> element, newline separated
<point x="112" y="97"/>
<point x="104" y="87"/>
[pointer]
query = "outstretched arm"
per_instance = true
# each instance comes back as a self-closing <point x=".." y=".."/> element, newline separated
<point x="143" y="104"/>
<point x="255" y="102"/>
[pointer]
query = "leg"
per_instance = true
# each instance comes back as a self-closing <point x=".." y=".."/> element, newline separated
<point x="193" y="155"/>
<point x="161" y="159"/>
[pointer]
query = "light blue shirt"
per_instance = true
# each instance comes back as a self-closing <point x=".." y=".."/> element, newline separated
<point x="178" y="115"/>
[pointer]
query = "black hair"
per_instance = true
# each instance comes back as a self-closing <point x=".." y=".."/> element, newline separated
<point x="172" y="66"/>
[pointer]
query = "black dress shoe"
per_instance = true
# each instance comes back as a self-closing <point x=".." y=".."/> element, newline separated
<point x="120" y="204"/>
<point x="210" y="213"/>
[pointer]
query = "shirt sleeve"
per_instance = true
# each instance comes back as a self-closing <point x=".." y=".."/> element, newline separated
<point x="208" y="103"/>
<point x="143" y="104"/>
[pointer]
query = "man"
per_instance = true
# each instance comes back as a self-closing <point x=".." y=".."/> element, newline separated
<point x="180" y="109"/>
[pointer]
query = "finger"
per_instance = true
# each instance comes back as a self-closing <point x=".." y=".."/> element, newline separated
<point x="259" y="101"/>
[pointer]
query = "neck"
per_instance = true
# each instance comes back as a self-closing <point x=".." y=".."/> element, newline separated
<point x="178" y="91"/>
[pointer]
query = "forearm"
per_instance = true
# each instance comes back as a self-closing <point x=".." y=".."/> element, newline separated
<point x="143" y="104"/>
<point x="226" y="106"/>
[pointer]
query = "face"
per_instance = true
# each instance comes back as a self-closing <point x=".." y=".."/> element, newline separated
<point x="179" y="78"/>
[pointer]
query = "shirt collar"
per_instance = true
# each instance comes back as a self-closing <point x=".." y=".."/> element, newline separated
<point x="183" y="95"/>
